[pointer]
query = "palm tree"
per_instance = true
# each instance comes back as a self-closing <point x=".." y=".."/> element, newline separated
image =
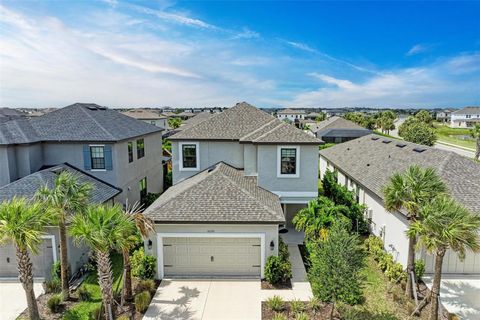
<point x="101" y="228"/>
<point x="410" y="191"/>
<point x="145" y="227"/>
<point x="475" y="133"/>
<point x="66" y="197"/>
<point x="443" y="225"/>
<point x="23" y="224"/>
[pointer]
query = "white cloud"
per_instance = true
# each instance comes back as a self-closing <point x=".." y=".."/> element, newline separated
<point x="247" y="34"/>
<point x="301" y="46"/>
<point x="418" y="48"/>
<point x="177" y="18"/>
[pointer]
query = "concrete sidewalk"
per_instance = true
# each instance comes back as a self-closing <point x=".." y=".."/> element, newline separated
<point x="13" y="300"/>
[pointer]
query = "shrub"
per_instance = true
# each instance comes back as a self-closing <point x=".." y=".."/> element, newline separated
<point x="143" y="265"/>
<point x="146" y="285"/>
<point x="142" y="301"/>
<point x="97" y="313"/>
<point x="84" y="294"/>
<point x="150" y="198"/>
<point x="279" y="316"/>
<point x="373" y="243"/>
<point x="277" y="270"/>
<point x="419" y="269"/>
<point x="123" y="317"/>
<point x="276" y="303"/>
<point x="54" y="303"/>
<point x="56" y="270"/>
<point x="283" y="250"/>
<point x="386" y="261"/>
<point x="297" y="306"/>
<point x="53" y="286"/>
<point x="302" y="316"/>
<point x="396" y="273"/>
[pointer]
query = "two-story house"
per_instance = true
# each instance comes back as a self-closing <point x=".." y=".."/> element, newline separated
<point x="148" y="116"/>
<point x="465" y="118"/>
<point x="291" y="115"/>
<point x="120" y="156"/>
<point x="237" y="176"/>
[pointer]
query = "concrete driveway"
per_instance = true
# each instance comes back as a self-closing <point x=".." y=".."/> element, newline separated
<point x="12" y="298"/>
<point x="460" y="295"/>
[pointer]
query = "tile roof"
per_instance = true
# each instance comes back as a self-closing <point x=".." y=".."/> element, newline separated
<point x="372" y="162"/>
<point x="219" y="194"/>
<point x="77" y="122"/>
<point x="468" y="110"/>
<point x="245" y="123"/>
<point x="143" y="114"/>
<point x="28" y="185"/>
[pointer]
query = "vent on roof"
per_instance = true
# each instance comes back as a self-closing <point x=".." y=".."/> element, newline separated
<point x="386" y="141"/>
<point x="419" y="150"/>
<point x="96" y="108"/>
<point x="375" y="138"/>
<point x="400" y="145"/>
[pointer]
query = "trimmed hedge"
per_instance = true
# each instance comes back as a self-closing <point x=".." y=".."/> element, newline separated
<point x="143" y="265"/>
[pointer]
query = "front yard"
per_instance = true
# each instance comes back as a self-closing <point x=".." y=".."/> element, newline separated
<point x="457" y="136"/>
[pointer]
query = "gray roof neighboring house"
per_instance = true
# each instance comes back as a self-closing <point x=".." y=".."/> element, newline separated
<point x="245" y="123"/>
<point x="144" y="114"/>
<point x="372" y="159"/>
<point x="28" y="185"/>
<point x="9" y="113"/>
<point x="220" y="194"/>
<point x="75" y="123"/>
<point x="335" y="123"/>
<point x="468" y="110"/>
<point x="199" y="117"/>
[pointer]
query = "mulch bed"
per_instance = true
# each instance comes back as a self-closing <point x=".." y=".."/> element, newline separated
<point x="265" y="285"/>
<point x="322" y="314"/>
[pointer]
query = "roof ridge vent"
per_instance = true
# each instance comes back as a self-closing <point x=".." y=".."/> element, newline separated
<point x="419" y="149"/>
<point x="375" y="138"/>
<point x="401" y="145"/>
<point x="386" y="141"/>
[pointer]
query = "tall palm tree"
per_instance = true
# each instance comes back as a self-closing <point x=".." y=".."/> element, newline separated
<point x="475" y="133"/>
<point x="66" y="197"/>
<point x="410" y="191"/>
<point x="443" y="225"/>
<point x="23" y="224"/>
<point x="101" y="228"/>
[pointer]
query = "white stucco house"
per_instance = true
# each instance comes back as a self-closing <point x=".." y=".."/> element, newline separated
<point x="237" y="177"/>
<point x="365" y="165"/>
<point x="293" y="115"/>
<point x="465" y="118"/>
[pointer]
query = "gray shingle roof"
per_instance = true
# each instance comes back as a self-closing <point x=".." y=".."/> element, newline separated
<point x="144" y="114"/>
<point x="335" y="123"/>
<point x="291" y="111"/>
<point x="77" y="122"/>
<point x="372" y="162"/>
<point x="199" y="117"/>
<point x="10" y="113"/>
<point x="220" y="194"/>
<point x="245" y="123"/>
<point x="28" y="185"/>
<point x="468" y="110"/>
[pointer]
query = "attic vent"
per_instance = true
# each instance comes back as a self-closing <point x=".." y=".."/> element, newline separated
<point x="96" y="108"/>
<point x="92" y="107"/>
<point x="368" y="164"/>
<point x="400" y="145"/>
<point x="348" y="148"/>
<point x="375" y="138"/>
<point x="101" y="108"/>
<point x="386" y="141"/>
<point x="419" y="150"/>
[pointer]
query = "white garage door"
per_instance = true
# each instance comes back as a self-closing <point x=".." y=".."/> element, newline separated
<point x="41" y="263"/>
<point x="211" y="257"/>
<point x="452" y="264"/>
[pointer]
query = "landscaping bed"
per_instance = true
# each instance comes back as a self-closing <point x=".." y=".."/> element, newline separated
<point x="277" y="286"/>
<point x="323" y="313"/>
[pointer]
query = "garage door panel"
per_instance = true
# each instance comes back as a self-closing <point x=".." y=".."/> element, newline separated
<point x="211" y="256"/>
<point x="453" y="265"/>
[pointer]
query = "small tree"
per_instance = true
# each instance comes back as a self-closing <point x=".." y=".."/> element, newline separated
<point x="335" y="267"/>
<point x="420" y="133"/>
<point x="174" y="123"/>
<point x="475" y="133"/>
<point x="321" y="116"/>
<point x="443" y="225"/>
<point x="424" y="116"/>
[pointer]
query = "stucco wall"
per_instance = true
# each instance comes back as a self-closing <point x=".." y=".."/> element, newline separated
<point x="4" y="166"/>
<point x="250" y="159"/>
<point x="270" y="231"/>
<point x="211" y="152"/>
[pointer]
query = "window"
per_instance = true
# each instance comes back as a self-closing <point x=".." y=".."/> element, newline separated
<point x="140" y="148"/>
<point x="189" y="155"/>
<point x="143" y="189"/>
<point x="97" y="157"/>
<point x="130" y="151"/>
<point x="288" y="165"/>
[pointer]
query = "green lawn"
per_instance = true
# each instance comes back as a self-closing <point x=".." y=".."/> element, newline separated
<point x="453" y="136"/>
<point x="83" y="309"/>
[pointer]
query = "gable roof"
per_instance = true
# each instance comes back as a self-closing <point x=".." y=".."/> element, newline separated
<point x="75" y="123"/>
<point x="219" y="194"/>
<point x="245" y="123"/>
<point x="468" y="110"/>
<point x="199" y="117"/>
<point x="335" y="123"/>
<point x="291" y="111"/>
<point x="371" y="161"/>
<point x="28" y="185"/>
<point x="144" y="114"/>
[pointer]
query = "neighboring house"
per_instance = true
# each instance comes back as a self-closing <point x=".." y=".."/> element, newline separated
<point x="148" y="116"/>
<point x="312" y="115"/>
<point x="9" y="113"/>
<point x="181" y="115"/>
<point x="110" y="146"/>
<point x="444" y="116"/>
<point x="237" y="176"/>
<point x="199" y="117"/>
<point x="338" y="130"/>
<point x="365" y="166"/>
<point x="465" y="118"/>
<point x="49" y="248"/>
<point x="293" y="115"/>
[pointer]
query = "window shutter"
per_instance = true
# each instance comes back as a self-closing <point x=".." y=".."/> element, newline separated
<point x="87" y="164"/>
<point x="108" y="157"/>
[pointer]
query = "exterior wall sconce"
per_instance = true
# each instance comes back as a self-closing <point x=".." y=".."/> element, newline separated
<point x="150" y="243"/>
<point x="272" y="245"/>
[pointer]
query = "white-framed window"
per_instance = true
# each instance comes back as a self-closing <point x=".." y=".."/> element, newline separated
<point x="97" y="157"/>
<point x="189" y="156"/>
<point x="288" y="161"/>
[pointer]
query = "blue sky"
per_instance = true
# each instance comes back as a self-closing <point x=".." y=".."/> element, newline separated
<point x="271" y="54"/>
